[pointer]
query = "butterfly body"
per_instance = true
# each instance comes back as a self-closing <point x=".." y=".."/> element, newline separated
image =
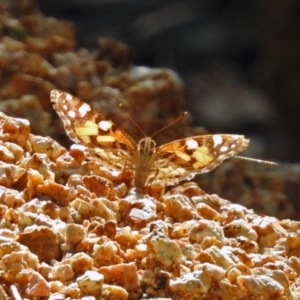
<point x="144" y="161"/>
<point x="168" y="164"/>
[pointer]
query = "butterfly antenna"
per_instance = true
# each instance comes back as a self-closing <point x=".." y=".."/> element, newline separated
<point x="130" y="118"/>
<point x="169" y="125"/>
<point x="256" y="160"/>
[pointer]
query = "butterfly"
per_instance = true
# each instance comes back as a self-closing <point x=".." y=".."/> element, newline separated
<point x="167" y="164"/>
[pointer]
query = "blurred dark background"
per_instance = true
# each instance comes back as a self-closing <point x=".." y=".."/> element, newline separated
<point x="239" y="60"/>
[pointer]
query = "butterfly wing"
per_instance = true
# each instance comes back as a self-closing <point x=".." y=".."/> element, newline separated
<point x="183" y="159"/>
<point x="173" y="162"/>
<point x="90" y="128"/>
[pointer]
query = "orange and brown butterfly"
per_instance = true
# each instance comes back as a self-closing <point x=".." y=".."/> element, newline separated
<point x="167" y="164"/>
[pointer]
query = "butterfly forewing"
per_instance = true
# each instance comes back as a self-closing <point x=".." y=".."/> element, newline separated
<point x="184" y="158"/>
<point x="88" y="127"/>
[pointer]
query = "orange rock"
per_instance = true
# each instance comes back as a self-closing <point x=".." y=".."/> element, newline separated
<point x="42" y="241"/>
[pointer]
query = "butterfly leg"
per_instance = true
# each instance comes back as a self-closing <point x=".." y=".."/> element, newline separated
<point x="149" y="183"/>
<point x="154" y="186"/>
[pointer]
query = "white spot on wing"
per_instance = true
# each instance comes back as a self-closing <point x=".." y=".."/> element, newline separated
<point x="68" y="97"/>
<point x="71" y="114"/>
<point x="191" y="144"/>
<point x="83" y="109"/>
<point x="218" y="140"/>
<point x="105" y="125"/>
<point x="224" y="149"/>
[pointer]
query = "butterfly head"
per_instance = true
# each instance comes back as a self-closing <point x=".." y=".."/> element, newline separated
<point x="145" y="153"/>
<point x="147" y="146"/>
